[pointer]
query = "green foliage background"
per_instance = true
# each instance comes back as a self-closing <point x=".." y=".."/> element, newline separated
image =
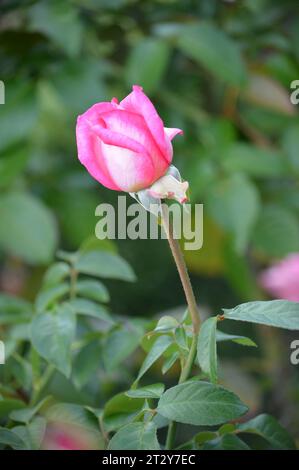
<point x="221" y="71"/>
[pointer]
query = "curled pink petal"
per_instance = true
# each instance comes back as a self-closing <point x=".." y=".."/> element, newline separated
<point x="119" y="140"/>
<point x="171" y="132"/>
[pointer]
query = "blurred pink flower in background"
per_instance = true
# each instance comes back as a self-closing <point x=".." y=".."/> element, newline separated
<point x="125" y="145"/>
<point x="282" y="279"/>
<point x="69" y="437"/>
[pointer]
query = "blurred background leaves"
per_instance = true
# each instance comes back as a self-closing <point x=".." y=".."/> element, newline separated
<point x="220" y="70"/>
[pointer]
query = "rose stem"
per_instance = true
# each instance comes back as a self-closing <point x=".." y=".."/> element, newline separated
<point x="192" y="307"/>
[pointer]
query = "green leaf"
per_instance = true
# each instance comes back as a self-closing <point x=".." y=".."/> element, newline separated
<point x="20" y="332"/>
<point x="12" y="163"/>
<point x="217" y="132"/>
<point x="76" y="214"/>
<point x="200" y="404"/>
<point x="11" y="304"/>
<point x="92" y="243"/>
<point x="32" y="434"/>
<point x="279" y="313"/>
<point x="160" y="421"/>
<point x="36" y="431"/>
<point x="170" y="361"/>
<point x="204" y="436"/>
<point x="9" y="404"/>
<point x="27" y="229"/>
<point x="46" y="298"/>
<point x="254" y="161"/>
<point x="11" y="439"/>
<point x="226" y="442"/>
<point x="166" y="323"/>
<point x="61" y="23"/>
<point x="21" y="110"/>
<point x="189" y="445"/>
<point x="181" y="340"/>
<point x="150" y="391"/>
<point x="87" y="363"/>
<point x="267" y="122"/>
<point x="104" y="264"/>
<point x="67" y="256"/>
<point x="234" y="204"/>
<point x="90" y="308"/>
<point x="217" y="52"/>
<point x="14" y="309"/>
<point x="120" y="344"/>
<point x="92" y="289"/>
<point x="243" y="340"/>
<point x="135" y="436"/>
<point x="276" y="233"/>
<point x="206" y="348"/>
<point x="226" y="428"/>
<point x="269" y="428"/>
<point x="26" y="414"/>
<point x="158" y="348"/>
<point x="76" y="88"/>
<point x="290" y="144"/>
<point x="21" y="370"/>
<point x="120" y="410"/>
<point x="52" y="335"/>
<point x="55" y="274"/>
<point x="147" y="63"/>
<point x="238" y="272"/>
<point x="70" y="413"/>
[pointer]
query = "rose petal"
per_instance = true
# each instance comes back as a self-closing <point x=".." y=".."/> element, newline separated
<point x="131" y="171"/>
<point x="171" y="132"/>
<point x="133" y="125"/>
<point x="139" y="103"/>
<point x="90" y="154"/>
<point x="119" y="140"/>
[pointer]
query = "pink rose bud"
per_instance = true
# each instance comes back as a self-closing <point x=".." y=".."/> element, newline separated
<point x="282" y="279"/>
<point x="125" y="145"/>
